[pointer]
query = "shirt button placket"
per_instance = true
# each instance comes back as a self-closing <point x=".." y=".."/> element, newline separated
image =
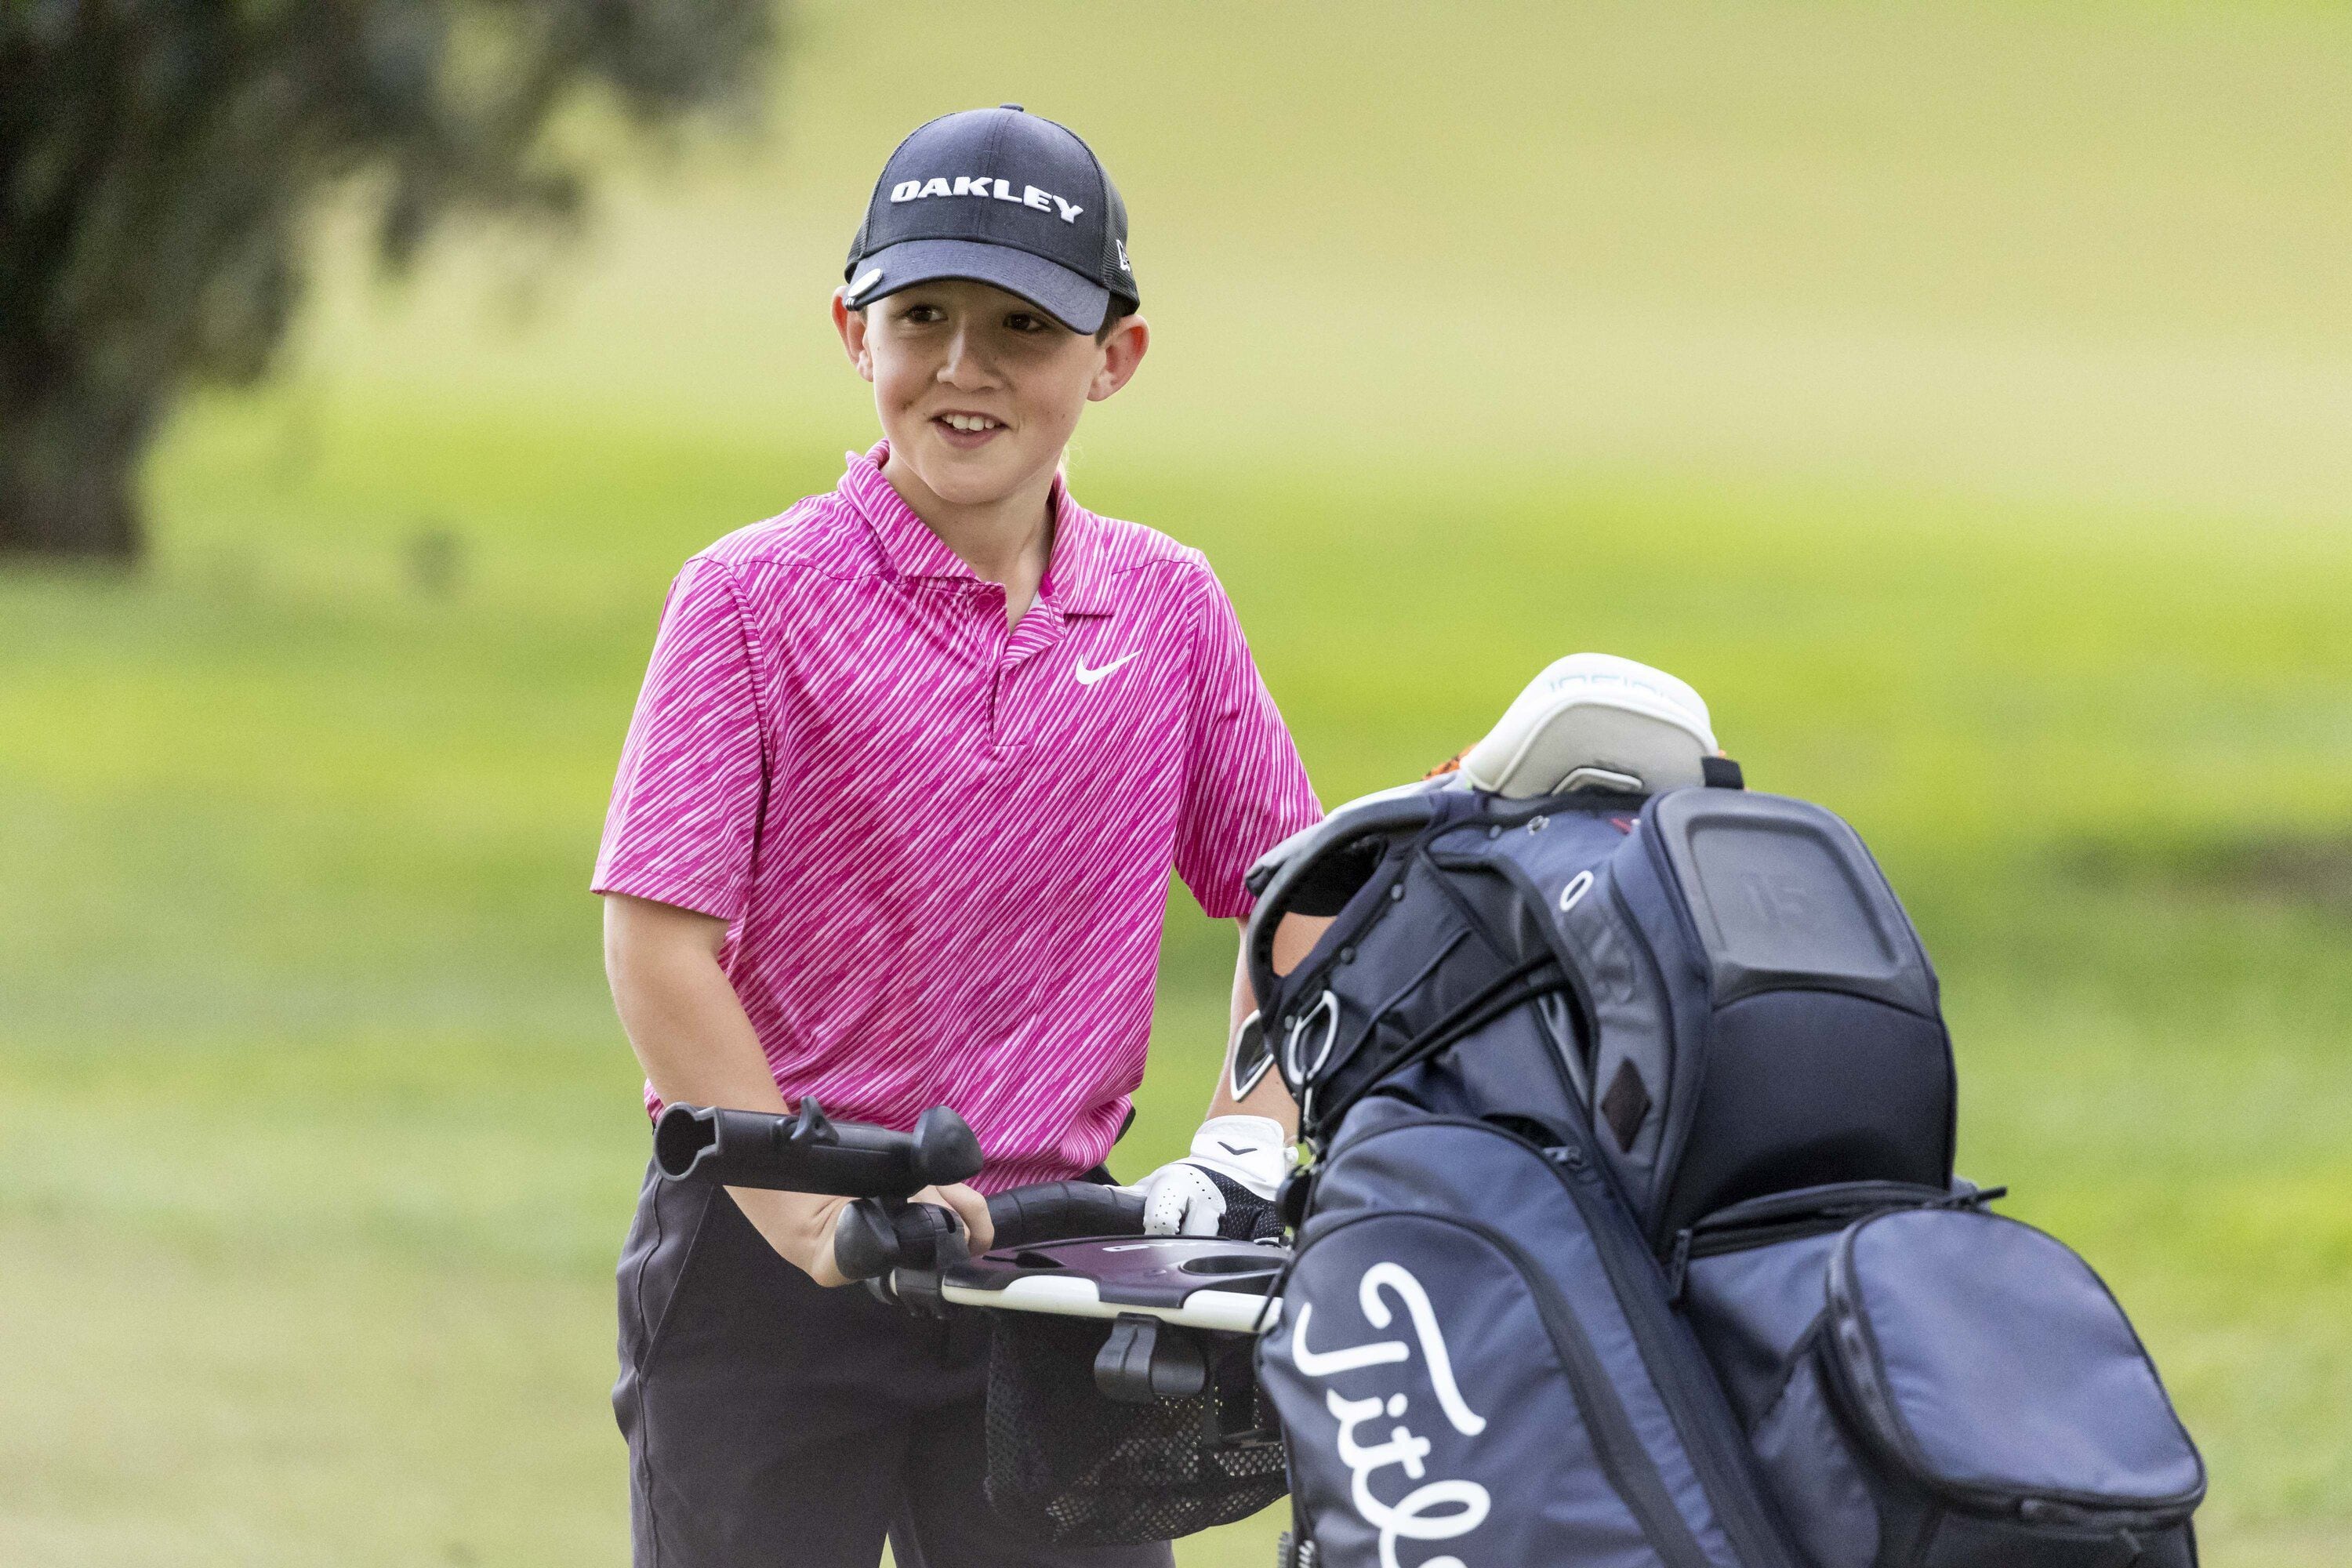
<point x="1042" y="627"/>
<point x="988" y="601"/>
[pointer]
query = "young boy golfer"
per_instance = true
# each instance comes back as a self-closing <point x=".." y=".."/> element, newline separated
<point x="893" y="827"/>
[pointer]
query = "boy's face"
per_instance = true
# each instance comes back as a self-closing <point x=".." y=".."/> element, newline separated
<point x="978" y="389"/>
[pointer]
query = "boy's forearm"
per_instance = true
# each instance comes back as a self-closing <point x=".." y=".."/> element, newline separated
<point x="1267" y="1097"/>
<point x="697" y="1047"/>
<point x="682" y="1017"/>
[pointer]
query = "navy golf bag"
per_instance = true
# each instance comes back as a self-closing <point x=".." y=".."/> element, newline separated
<point x="1634" y="1238"/>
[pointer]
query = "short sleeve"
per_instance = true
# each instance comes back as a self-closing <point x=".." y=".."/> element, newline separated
<point x="686" y="804"/>
<point x="1246" y="790"/>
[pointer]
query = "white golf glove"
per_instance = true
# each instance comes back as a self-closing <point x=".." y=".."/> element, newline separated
<point x="1225" y="1186"/>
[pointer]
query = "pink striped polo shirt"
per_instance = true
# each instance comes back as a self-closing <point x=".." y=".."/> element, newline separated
<point x="943" y="848"/>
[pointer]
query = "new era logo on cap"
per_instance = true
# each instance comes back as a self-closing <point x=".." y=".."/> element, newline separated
<point x="1005" y="198"/>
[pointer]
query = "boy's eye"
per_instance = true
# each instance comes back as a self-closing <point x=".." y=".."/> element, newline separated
<point x="924" y="313"/>
<point x="1027" y="322"/>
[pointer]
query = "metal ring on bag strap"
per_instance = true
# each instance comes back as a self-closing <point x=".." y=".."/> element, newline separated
<point x="1329" y="1005"/>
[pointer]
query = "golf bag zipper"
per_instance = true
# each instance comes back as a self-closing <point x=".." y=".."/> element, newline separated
<point x="1654" y="845"/>
<point x="1629" y="1466"/>
<point x="1806" y="1211"/>
<point x="1637" y="943"/>
<point x="1723" y="1471"/>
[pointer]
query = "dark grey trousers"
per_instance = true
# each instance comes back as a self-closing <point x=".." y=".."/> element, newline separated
<point x="772" y="1422"/>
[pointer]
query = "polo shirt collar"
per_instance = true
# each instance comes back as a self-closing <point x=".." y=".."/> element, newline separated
<point x="1076" y="583"/>
<point x="1075" y="580"/>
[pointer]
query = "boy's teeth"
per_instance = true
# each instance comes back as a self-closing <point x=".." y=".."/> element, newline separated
<point x="969" y="422"/>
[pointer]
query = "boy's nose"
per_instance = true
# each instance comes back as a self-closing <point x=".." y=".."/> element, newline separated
<point x="966" y="368"/>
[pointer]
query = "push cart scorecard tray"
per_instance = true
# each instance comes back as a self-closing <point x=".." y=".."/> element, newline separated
<point x="1198" y="1282"/>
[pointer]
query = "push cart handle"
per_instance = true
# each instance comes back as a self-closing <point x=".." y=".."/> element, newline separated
<point x="807" y="1152"/>
<point x="870" y="1240"/>
<point x="875" y="1235"/>
<point x="1059" y="1211"/>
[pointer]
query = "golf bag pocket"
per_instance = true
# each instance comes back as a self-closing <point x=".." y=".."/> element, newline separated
<point x="1764" y="1017"/>
<point x="1461" y="1380"/>
<point x="1936" y="1387"/>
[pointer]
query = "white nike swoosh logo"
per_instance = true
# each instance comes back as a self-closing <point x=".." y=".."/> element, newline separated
<point x="1089" y="677"/>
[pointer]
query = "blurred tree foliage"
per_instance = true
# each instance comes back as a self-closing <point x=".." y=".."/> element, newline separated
<point x="158" y="159"/>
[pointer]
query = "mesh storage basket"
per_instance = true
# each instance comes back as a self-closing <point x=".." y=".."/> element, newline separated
<point x="1068" y="1465"/>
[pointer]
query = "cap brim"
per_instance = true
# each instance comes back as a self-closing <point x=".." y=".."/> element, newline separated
<point x="1064" y="295"/>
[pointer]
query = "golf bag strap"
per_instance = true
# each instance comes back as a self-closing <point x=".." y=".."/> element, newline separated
<point x="1343" y="831"/>
<point x="1515" y="987"/>
<point x="1299" y="869"/>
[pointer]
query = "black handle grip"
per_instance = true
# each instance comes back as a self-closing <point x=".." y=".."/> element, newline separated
<point x="870" y="1239"/>
<point x="809" y="1153"/>
<point x="873" y="1237"/>
<point x="1057" y="1211"/>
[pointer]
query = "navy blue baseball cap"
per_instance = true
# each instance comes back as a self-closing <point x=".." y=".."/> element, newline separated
<point x="1004" y="197"/>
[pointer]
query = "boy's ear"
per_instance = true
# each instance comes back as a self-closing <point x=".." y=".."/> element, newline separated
<point x="851" y="325"/>
<point x="1121" y="352"/>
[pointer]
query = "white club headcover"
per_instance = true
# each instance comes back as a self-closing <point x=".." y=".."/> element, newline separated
<point x="1251" y="1151"/>
<point x="1595" y="719"/>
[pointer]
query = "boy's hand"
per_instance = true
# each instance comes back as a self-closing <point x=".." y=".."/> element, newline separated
<point x="968" y="1205"/>
<point x="800" y="1226"/>
<point x="1225" y="1186"/>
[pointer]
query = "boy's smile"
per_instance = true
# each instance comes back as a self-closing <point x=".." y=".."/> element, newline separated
<point x="966" y="432"/>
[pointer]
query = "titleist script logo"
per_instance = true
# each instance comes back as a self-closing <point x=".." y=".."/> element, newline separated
<point x="988" y="189"/>
<point x="1415" y="1516"/>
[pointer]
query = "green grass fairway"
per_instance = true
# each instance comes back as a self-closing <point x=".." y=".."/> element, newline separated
<point x="1959" y="396"/>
